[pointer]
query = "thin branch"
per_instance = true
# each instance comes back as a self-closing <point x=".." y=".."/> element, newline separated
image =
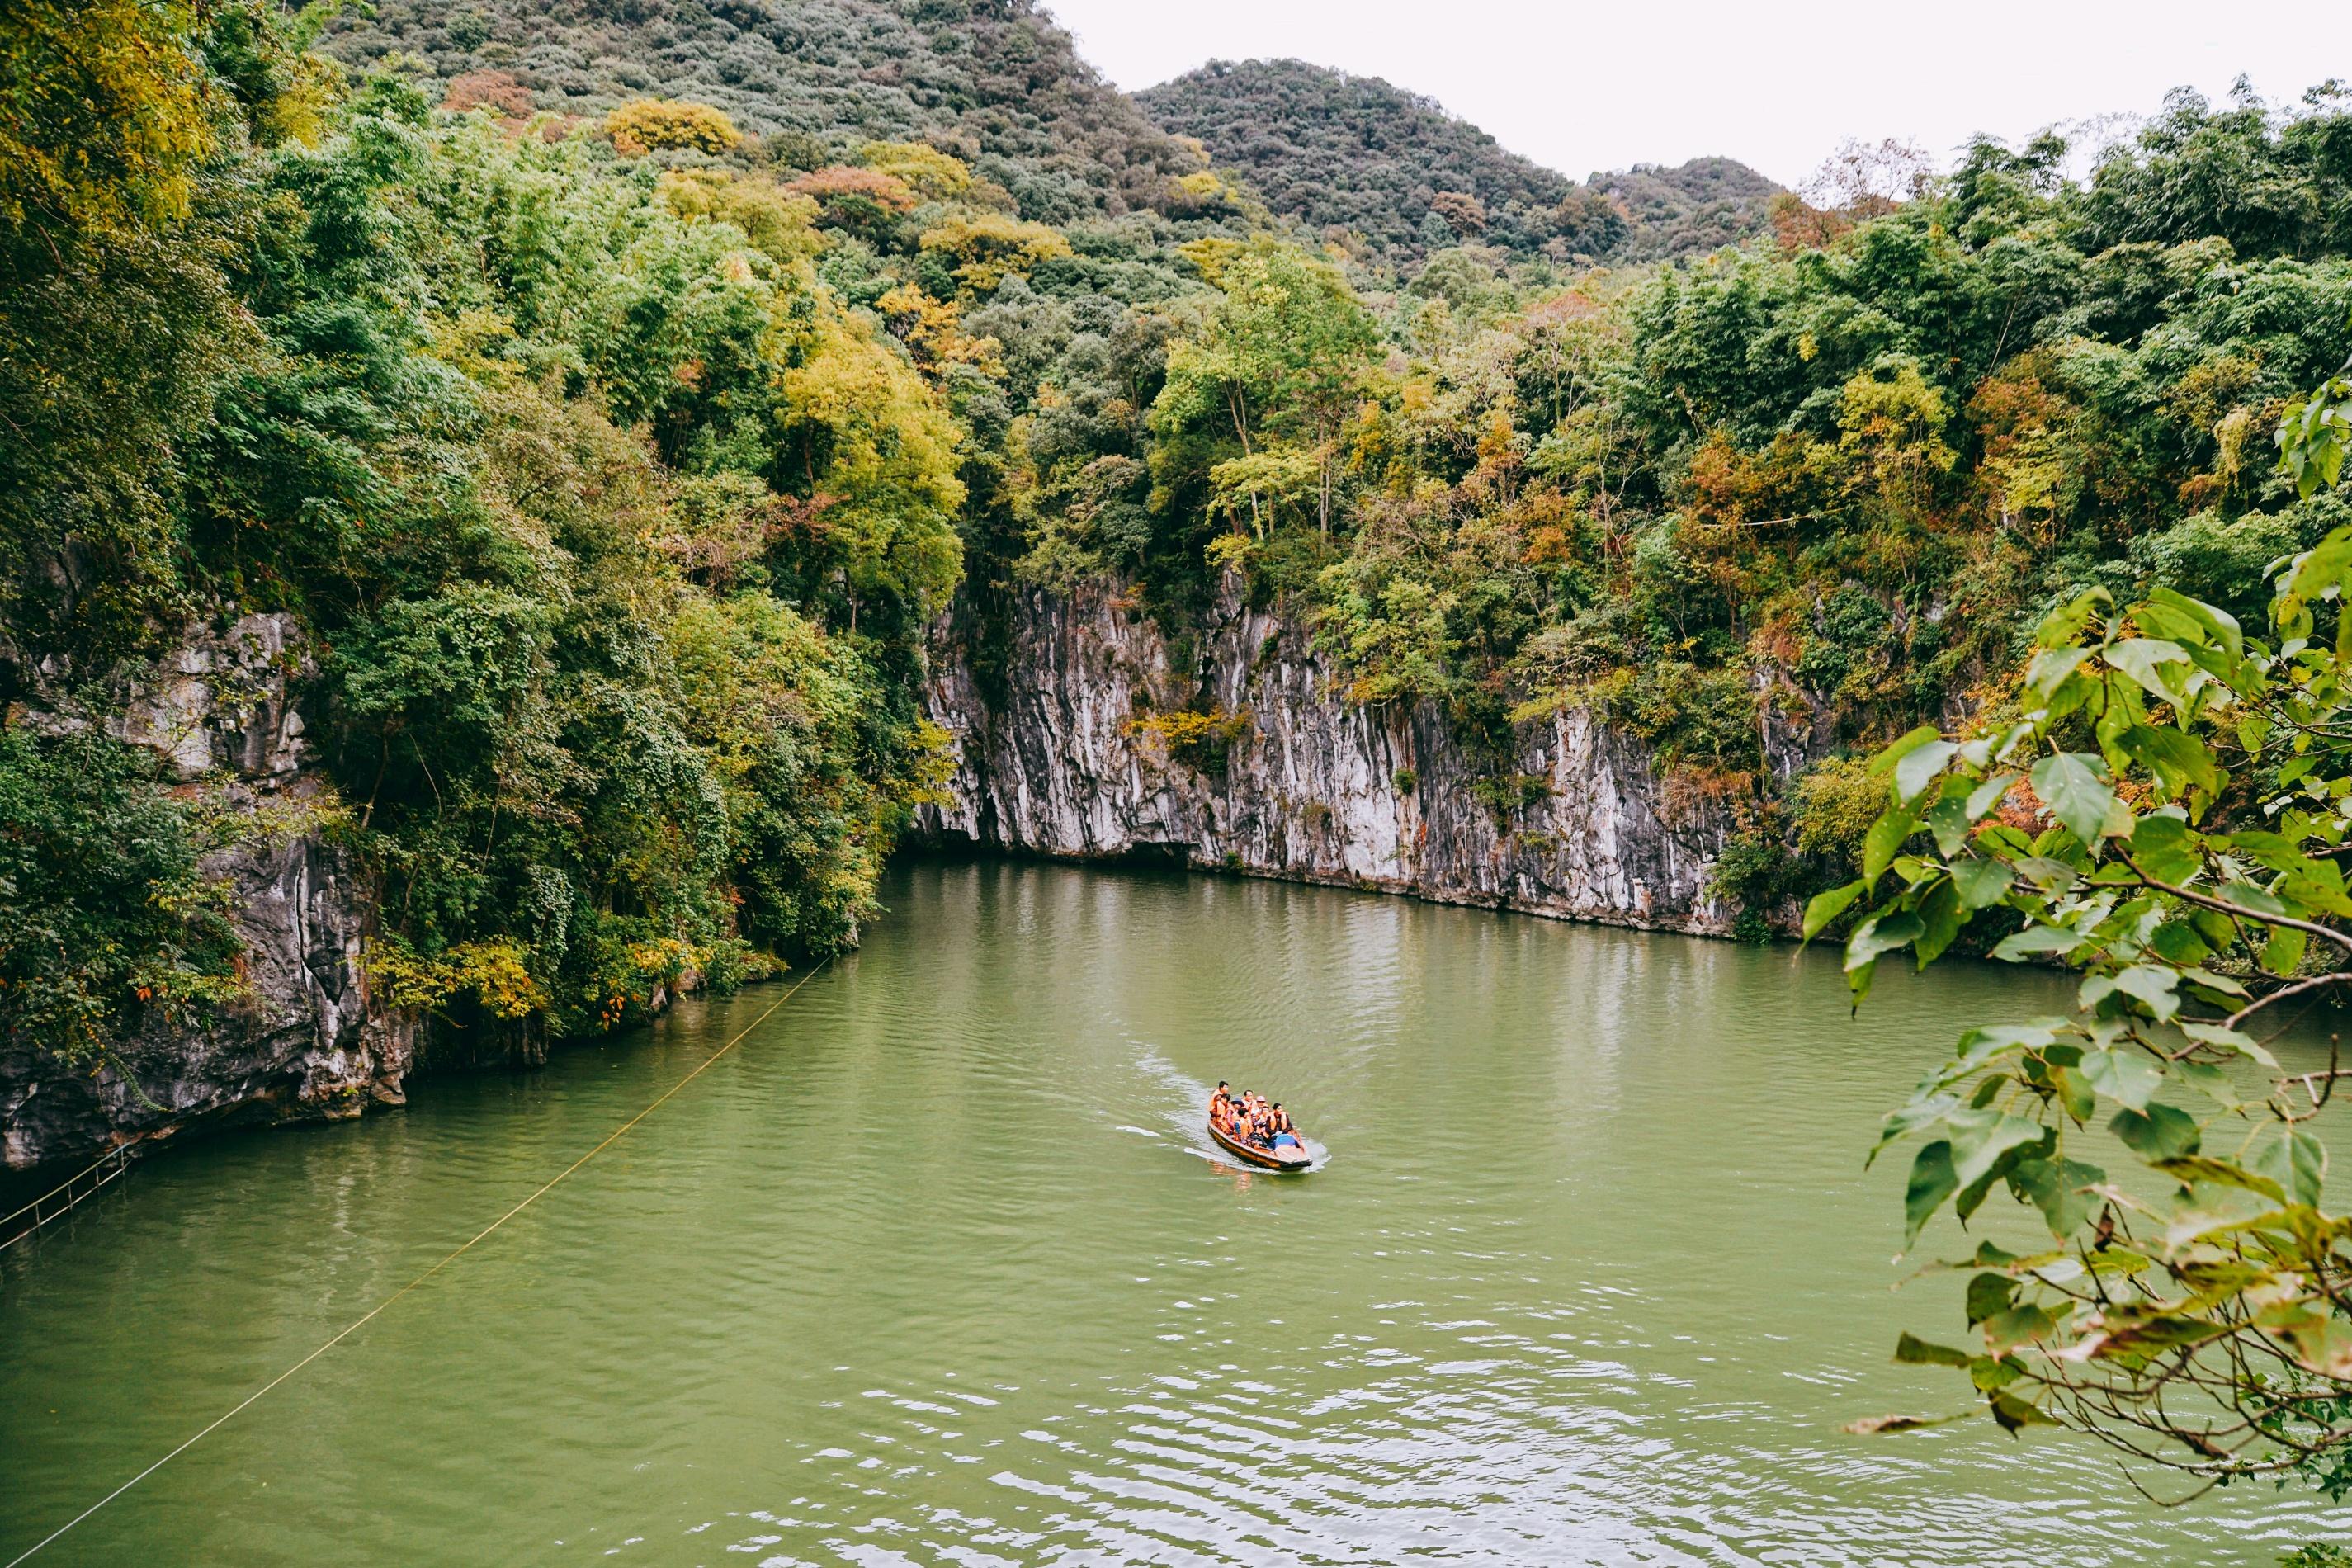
<point x="2316" y="983"/>
<point x="2203" y="900"/>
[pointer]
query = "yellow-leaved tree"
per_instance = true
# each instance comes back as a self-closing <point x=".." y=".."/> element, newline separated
<point x="652" y="125"/>
<point x="103" y="114"/>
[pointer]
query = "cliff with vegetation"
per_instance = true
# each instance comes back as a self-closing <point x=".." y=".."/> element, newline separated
<point x="1228" y="750"/>
<point x="605" y="414"/>
<point x="251" y="844"/>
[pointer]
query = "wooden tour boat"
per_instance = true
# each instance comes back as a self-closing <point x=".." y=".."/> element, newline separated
<point x="1265" y="1158"/>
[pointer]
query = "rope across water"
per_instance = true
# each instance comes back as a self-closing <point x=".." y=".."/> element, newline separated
<point x="362" y="1322"/>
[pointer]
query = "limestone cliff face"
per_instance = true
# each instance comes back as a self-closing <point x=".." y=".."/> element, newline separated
<point x="1578" y="823"/>
<point x="304" y="1042"/>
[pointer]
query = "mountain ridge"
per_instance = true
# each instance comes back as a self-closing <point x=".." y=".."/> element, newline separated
<point x="1357" y="157"/>
<point x="1002" y="85"/>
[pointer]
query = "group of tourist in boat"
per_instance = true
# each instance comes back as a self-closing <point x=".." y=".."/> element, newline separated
<point x="1246" y="1117"/>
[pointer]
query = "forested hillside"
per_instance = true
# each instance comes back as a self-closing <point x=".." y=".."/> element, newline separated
<point x="1365" y="163"/>
<point x="992" y="81"/>
<point x="618" y="461"/>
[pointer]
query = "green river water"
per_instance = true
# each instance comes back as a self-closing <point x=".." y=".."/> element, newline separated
<point x="938" y="1267"/>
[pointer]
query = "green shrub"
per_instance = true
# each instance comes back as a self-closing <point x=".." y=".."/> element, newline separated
<point x="105" y="918"/>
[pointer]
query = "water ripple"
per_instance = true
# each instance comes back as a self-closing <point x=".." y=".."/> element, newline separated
<point x="940" y="1268"/>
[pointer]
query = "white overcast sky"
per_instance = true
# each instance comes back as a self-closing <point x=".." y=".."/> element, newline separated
<point x="1581" y="87"/>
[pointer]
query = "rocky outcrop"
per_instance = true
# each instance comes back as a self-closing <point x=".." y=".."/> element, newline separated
<point x="303" y="1042"/>
<point x="1088" y="755"/>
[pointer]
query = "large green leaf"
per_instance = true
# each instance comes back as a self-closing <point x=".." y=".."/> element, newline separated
<point x="1940" y="919"/>
<point x="1824" y="907"/>
<point x="1880" y="933"/>
<point x="2294" y="1162"/>
<point x="1924" y="1111"/>
<point x="2050" y="669"/>
<point x="1885" y="839"/>
<point x="2178" y="759"/>
<point x="2021" y="1325"/>
<point x="2056" y="1188"/>
<point x="2148" y="661"/>
<point x="1980" y="883"/>
<point x="2252" y="898"/>
<point x="2219" y="625"/>
<point x="1989" y="794"/>
<point x="2205" y="1168"/>
<point x="2153" y="985"/>
<point x="2328" y="564"/>
<point x="2306" y="1166"/>
<point x="2283" y="954"/>
<point x="2158" y="1132"/>
<point x="1913" y="1352"/>
<point x="2134" y="1329"/>
<point x="2074" y="1093"/>
<point x="1903" y="747"/>
<point x="2177" y="941"/>
<point x="2037" y="939"/>
<point x="1948" y="820"/>
<point x="1979" y="1138"/>
<point x="2231" y="1040"/>
<point x="1917" y="767"/>
<point x="1931" y="1183"/>
<point x="2070" y="783"/>
<point x="1988" y="1296"/>
<point x="2128" y="1076"/>
<point x="2014" y="1414"/>
<point x="2065" y="623"/>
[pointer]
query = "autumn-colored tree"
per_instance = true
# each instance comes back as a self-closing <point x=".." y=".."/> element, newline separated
<point x="986" y="248"/>
<point x="937" y="175"/>
<point x="652" y="125"/>
<point x="1465" y="212"/>
<point x="103" y="112"/>
<point x="857" y="427"/>
<point x="864" y="201"/>
<point x="496" y="90"/>
<point x="772" y="216"/>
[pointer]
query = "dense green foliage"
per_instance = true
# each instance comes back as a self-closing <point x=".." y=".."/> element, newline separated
<point x="1809" y="492"/>
<point x="101" y="905"/>
<point x="616" y="526"/>
<point x="2164" y="805"/>
<point x="1369" y="166"/>
<point x="990" y="81"/>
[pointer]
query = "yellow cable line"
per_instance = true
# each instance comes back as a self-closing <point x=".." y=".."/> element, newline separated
<point x="363" y="1322"/>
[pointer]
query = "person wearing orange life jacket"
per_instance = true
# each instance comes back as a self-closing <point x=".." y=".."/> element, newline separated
<point x="1281" y="1135"/>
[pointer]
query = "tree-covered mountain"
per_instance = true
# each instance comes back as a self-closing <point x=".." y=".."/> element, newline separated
<point x="1357" y="156"/>
<point x="993" y="82"/>
<point x="1688" y="210"/>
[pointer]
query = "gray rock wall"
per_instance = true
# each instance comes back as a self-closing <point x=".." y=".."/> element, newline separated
<point x="304" y="1043"/>
<point x="1312" y="788"/>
